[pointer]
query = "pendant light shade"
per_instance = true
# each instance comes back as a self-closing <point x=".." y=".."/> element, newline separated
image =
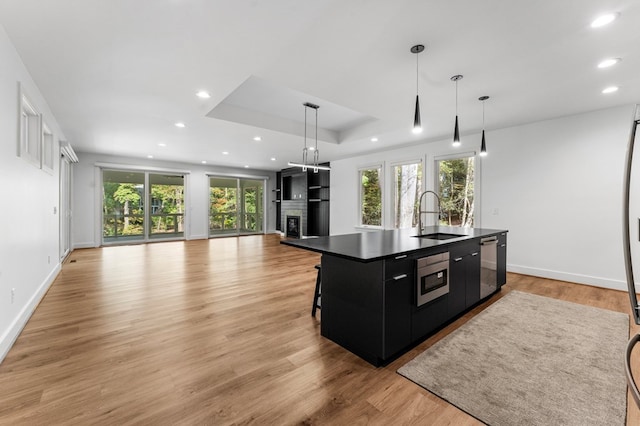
<point x="483" y="145"/>
<point x="456" y="131"/>
<point x="316" y="154"/>
<point x="417" y="123"/>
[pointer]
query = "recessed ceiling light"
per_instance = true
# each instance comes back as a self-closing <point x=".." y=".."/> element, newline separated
<point x="603" y="20"/>
<point x="246" y="166"/>
<point x="162" y="145"/>
<point x="257" y="138"/>
<point x="609" y="62"/>
<point x="204" y="161"/>
<point x="180" y="124"/>
<point x="203" y="94"/>
<point x="311" y="148"/>
<point x="610" y="89"/>
<point x="149" y="156"/>
<point x="225" y="152"/>
<point x="374" y="139"/>
<point x="273" y="158"/>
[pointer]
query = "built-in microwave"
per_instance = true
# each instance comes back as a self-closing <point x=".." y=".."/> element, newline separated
<point x="432" y="277"/>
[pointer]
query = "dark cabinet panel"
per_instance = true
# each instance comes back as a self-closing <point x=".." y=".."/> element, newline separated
<point x="472" y="277"/>
<point x="502" y="259"/>
<point x="352" y="306"/>
<point x="464" y="276"/>
<point x="397" y="265"/>
<point x="457" y="285"/>
<point x="429" y="317"/>
<point x="398" y="299"/>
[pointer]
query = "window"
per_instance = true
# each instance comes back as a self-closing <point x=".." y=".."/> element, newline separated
<point x="236" y="206"/>
<point x="371" y="196"/>
<point x="142" y="206"/>
<point x="455" y="181"/>
<point x="47" y="148"/>
<point x="407" y="186"/>
<point x="30" y="133"/>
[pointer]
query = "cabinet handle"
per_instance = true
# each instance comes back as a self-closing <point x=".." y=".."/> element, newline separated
<point x="457" y="259"/>
<point x="399" y="277"/>
<point x="402" y="256"/>
<point x="474" y="254"/>
<point x="503" y="245"/>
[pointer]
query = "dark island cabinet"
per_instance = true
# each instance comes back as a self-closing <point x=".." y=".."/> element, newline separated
<point x="398" y="298"/>
<point x="501" y="267"/>
<point x="429" y="317"/>
<point x="370" y="307"/>
<point x="464" y="276"/>
<point x="352" y="310"/>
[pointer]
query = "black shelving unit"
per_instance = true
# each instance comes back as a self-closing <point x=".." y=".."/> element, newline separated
<point x="278" y="200"/>
<point x="307" y="192"/>
<point x="318" y="202"/>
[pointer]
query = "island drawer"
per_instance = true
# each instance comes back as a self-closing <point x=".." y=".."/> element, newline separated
<point x="396" y="266"/>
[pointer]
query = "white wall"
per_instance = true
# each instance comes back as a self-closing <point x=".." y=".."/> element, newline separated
<point x="555" y="185"/>
<point x="29" y="246"/>
<point x="87" y="202"/>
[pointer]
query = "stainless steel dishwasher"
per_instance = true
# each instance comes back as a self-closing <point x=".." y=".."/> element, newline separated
<point x="488" y="266"/>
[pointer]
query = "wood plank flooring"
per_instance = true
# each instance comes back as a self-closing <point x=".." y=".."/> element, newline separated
<point x="215" y="332"/>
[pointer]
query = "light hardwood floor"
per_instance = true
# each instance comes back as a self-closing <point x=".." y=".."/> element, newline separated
<point x="214" y="332"/>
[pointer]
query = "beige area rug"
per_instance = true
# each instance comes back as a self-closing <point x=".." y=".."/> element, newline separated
<point x="531" y="360"/>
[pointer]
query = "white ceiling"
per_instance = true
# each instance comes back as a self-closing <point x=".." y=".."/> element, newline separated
<point x="118" y="74"/>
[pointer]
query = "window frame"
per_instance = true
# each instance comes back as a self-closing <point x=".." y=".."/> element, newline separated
<point x="381" y="177"/>
<point x="29" y="129"/>
<point x="477" y="168"/>
<point x="47" y="151"/>
<point x="393" y="186"/>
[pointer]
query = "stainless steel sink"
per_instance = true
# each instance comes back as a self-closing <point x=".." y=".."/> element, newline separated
<point x="439" y="236"/>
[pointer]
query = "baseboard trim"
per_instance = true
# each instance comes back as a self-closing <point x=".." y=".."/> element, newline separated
<point x="11" y="335"/>
<point x="570" y="277"/>
<point x="197" y="237"/>
<point x="85" y="245"/>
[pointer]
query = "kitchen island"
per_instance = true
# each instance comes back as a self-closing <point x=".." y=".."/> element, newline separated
<point x="385" y="291"/>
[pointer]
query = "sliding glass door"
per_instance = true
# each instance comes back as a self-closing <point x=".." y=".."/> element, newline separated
<point x="167" y="206"/>
<point x="236" y="206"/>
<point x="122" y="206"/>
<point x="141" y="206"/>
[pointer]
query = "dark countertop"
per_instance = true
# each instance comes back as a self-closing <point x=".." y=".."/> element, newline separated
<point x="374" y="245"/>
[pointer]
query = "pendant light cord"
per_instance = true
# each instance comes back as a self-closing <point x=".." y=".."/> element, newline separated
<point x="315" y="153"/>
<point x="304" y="151"/>
<point x="482" y="115"/>
<point x="417" y="71"/>
<point x="456" y="98"/>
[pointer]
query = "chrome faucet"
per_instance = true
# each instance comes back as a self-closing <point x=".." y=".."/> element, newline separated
<point x="420" y="211"/>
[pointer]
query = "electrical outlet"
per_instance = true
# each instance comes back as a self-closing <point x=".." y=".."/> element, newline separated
<point x="495" y="212"/>
<point x="13" y="295"/>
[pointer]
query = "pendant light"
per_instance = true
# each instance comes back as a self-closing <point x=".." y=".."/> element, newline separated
<point x="456" y="132"/>
<point x="483" y="146"/>
<point x="417" y="125"/>
<point x="316" y="154"/>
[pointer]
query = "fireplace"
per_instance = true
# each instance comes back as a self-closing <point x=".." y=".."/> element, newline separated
<point x="293" y="227"/>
